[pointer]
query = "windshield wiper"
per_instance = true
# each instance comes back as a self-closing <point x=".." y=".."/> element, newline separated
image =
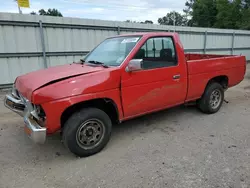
<point x="98" y="63"/>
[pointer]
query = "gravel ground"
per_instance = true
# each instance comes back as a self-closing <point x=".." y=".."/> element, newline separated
<point x="176" y="148"/>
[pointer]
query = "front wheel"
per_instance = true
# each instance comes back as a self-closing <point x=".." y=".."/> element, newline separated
<point x="212" y="98"/>
<point x="87" y="132"/>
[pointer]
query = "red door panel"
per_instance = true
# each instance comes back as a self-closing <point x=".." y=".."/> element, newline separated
<point x="149" y="90"/>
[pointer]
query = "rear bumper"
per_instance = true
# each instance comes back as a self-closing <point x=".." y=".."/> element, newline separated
<point x="32" y="128"/>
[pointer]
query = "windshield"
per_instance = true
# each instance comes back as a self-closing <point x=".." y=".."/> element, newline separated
<point x="112" y="51"/>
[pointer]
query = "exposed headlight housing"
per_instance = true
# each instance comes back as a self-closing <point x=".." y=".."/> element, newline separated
<point x="38" y="112"/>
<point x="35" y="110"/>
<point x="14" y="92"/>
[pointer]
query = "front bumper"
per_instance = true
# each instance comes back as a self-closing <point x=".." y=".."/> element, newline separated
<point x="36" y="132"/>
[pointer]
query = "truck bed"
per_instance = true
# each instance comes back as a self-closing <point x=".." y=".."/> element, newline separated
<point x="190" y="57"/>
<point x="203" y="67"/>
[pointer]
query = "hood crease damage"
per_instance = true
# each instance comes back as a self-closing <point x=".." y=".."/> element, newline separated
<point x="61" y="79"/>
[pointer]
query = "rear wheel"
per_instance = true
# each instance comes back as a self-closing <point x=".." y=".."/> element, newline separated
<point x="87" y="132"/>
<point x="212" y="98"/>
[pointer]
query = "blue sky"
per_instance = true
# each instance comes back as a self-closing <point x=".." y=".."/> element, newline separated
<point x="138" y="10"/>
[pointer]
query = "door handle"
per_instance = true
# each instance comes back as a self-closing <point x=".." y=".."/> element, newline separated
<point x="177" y="76"/>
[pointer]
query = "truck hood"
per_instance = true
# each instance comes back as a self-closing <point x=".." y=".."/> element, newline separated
<point x="28" y="83"/>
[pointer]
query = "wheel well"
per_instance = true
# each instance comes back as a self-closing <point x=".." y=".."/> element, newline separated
<point x="223" y="80"/>
<point x="105" y="104"/>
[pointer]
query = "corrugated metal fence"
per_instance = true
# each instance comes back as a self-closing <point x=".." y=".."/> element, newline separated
<point x="31" y="42"/>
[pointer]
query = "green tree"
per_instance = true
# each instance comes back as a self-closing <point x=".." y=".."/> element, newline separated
<point x="42" y="12"/>
<point x="230" y="14"/>
<point x="145" y="22"/>
<point x="204" y="13"/>
<point x="173" y="18"/>
<point x="227" y="14"/>
<point x="50" y="12"/>
<point x="54" y="12"/>
<point x="188" y="11"/>
<point x="189" y="7"/>
<point x="245" y="22"/>
<point x="224" y="15"/>
<point x="130" y="21"/>
<point x="245" y="15"/>
<point x="246" y="4"/>
<point x="33" y="13"/>
<point x="148" y="22"/>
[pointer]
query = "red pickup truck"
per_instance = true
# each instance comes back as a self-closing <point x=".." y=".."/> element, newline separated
<point x="123" y="77"/>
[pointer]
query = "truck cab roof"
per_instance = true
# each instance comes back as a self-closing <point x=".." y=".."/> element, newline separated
<point x="149" y="34"/>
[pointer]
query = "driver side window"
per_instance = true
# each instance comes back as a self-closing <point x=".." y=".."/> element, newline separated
<point x="157" y="52"/>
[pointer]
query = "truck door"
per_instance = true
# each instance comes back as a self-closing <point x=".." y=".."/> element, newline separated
<point x="160" y="84"/>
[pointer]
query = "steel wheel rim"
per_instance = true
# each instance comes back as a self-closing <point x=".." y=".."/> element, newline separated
<point x="215" y="99"/>
<point x="90" y="133"/>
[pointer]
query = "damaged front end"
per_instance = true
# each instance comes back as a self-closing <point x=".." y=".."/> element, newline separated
<point x="34" y="116"/>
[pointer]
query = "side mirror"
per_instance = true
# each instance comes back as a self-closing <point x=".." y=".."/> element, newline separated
<point x="134" y="65"/>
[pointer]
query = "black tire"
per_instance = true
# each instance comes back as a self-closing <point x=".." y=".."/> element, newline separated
<point x="206" y="104"/>
<point x="73" y="136"/>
